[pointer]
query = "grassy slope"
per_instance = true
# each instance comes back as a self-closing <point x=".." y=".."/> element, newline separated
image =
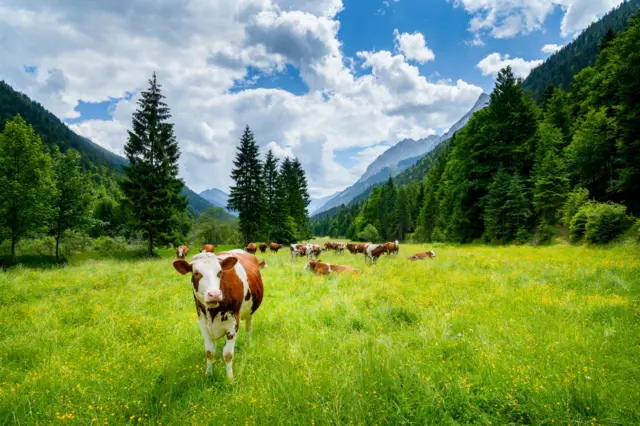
<point x="523" y="335"/>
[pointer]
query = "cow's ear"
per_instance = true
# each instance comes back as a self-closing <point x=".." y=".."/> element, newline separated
<point x="182" y="266"/>
<point x="228" y="263"/>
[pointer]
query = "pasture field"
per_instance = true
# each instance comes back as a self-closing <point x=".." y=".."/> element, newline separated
<point x="481" y="335"/>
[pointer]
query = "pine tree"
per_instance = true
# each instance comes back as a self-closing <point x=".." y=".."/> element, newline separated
<point x="557" y="114"/>
<point x="270" y="179"/>
<point x="247" y="195"/>
<point x="495" y="226"/>
<point x="72" y="200"/>
<point x="151" y="185"/>
<point x="551" y="186"/>
<point x="302" y="197"/>
<point x="402" y="214"/>
<point x="26" y="186"/>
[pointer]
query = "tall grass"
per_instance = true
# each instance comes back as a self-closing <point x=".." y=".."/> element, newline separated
<point x="479" y="335"/>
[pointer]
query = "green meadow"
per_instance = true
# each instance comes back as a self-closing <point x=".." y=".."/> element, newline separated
<point x="480" y="335"/>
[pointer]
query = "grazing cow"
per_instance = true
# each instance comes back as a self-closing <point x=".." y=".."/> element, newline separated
<point x="208" y="248"/>
<point x="373" y="252"/>
<point x="251" y="248"/>
<point x="328" y="245"/>
<point x="426" y="255"/>
<point x="262" y="263"/>
<point x="313" y="250"/>
<point x="181" y="252"/>
<point x="392" y="247"/>
<point x="274" y="247"/>
<point x="340" y="247"/>
<point x="320" y="268"/>
<point x="297" y="250"/>
<point x="362" y="247"/>
<point x="263" y="247"/>
<point x="227" y="288"/>
<point x="353" y="248"/>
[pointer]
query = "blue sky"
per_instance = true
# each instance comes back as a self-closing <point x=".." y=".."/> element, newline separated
<point x="332" y="82"/>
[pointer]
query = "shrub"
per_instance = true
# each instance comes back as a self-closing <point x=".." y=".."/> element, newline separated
<point x="578" y="223"/>
<point x="108" y="245"/>
<point x="75" y="242"/>
<point x="544" y="232"/>
<point x="370" y="233"/>
<point x="575" y="201"/>
<point x="45" y="246"/>
<point x="605" y="221"/>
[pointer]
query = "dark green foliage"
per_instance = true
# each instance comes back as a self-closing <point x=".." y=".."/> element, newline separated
<point x="215" y="226"/>
<point x="551" y="186"/>
<point x="72" y="200"/>
<point x="370" y="233"/>
<point x="295" y="197"/>
<point x="270" y="179"/>
<point x="247" y="194"/>
<point x="575" y="200"/>
<point x="605" y="221"/>
<point x="26" y="185"/>
<point x="559" y="69"/>
<point x="401" y="216"/>
<point x="152" y="187"/>
<point x="507" y="210"/>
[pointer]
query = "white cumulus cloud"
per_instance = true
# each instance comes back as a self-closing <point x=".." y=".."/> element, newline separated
<point x="493" y="63"/>
<point x="551" y="48"/>
<point x="509" y="18"/>
<point x="413" y="46"/>
<point x="209" y="57"/>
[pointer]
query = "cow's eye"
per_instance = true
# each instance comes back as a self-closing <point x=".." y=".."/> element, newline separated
<point x="219" y="274"/>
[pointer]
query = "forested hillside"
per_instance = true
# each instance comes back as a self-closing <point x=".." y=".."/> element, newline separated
<point x="519" y="172"/>
<point x="559" y="69"/>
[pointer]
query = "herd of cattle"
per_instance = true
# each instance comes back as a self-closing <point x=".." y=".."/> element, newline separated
<point x="227" y="286"/>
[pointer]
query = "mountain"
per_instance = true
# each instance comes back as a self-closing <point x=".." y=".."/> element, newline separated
<point x="215" y="196"/>
<point x="54" y="132"/>
<point x="218" y="198"/>
<point x="399" y="158"/>
<point x="316" y="203"/>
<point x="558" y="70"/>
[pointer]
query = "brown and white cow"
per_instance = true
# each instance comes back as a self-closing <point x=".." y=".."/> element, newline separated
<point x="373" y="252"/>
<point x="251" y="248"/>
<point x="208" y="248"/>
<point x="320" y="268"/>
<point x="227" y="288"/>
<point x="426" y="255"/>
<point x="181" y="252"/>
<point x="362" y="247"/>
<point x="340" y="248"/>
<point x="263" y="247"/>
<point x="353" y="248"/>
<point x="297" y="250"/>
<point x="274" y="247"/>
<point x="313" y="250"/>
<point x="392" y="247"/>
<point x="328" y="245"/>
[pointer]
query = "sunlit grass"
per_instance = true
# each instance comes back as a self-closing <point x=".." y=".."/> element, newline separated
<point x="479" y="335"/>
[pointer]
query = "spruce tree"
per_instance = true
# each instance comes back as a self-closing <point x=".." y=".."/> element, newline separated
<point x="303" y="199"/>
<point x="247" y="196"/>
<point x="270" y="179"/>
<point x="72" y="200"/>
<point x="401" y="215"/>
<point x="26" y="185"/>
<point x="151" y="185"/>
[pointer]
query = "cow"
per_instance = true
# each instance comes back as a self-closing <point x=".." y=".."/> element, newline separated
<point x="262" y="263"/>
<point x="328" y="245"/>
<point x="208" y="248"/>
<point x="392" y="247"/>
<point x="297" y="250"/>
<point x="227" y="288"/>
<point x="373" y="252"/>
<point x="313" y="250"/>
<point x="263" y="247"/>
<point x="274" y="247"/>
<point x="353" y="248"/>
<point x="181" y="252"/>
<point x="320" y="268"/>
<point x="251" y="248"/>
<point x="340" y="247"/>
<point x="430" y="254"/>
<point x="362" y="247"/>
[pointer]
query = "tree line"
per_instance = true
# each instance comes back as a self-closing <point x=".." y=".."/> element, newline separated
<point x="270" y="198"/>
<point x="520" y="171"/>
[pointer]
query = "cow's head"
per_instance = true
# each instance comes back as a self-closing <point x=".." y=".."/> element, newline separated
<point x="206" y="273"/>
<point x="431" y="253"/>
<point x="311" y="265"/>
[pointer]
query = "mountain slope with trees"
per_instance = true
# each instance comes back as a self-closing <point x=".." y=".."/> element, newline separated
<point x="518" y="172"/>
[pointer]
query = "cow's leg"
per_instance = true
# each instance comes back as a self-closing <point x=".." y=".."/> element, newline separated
<point x="227" y="353"/>
<point x="209" y="345"/>
<point x="247" y="326"/>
